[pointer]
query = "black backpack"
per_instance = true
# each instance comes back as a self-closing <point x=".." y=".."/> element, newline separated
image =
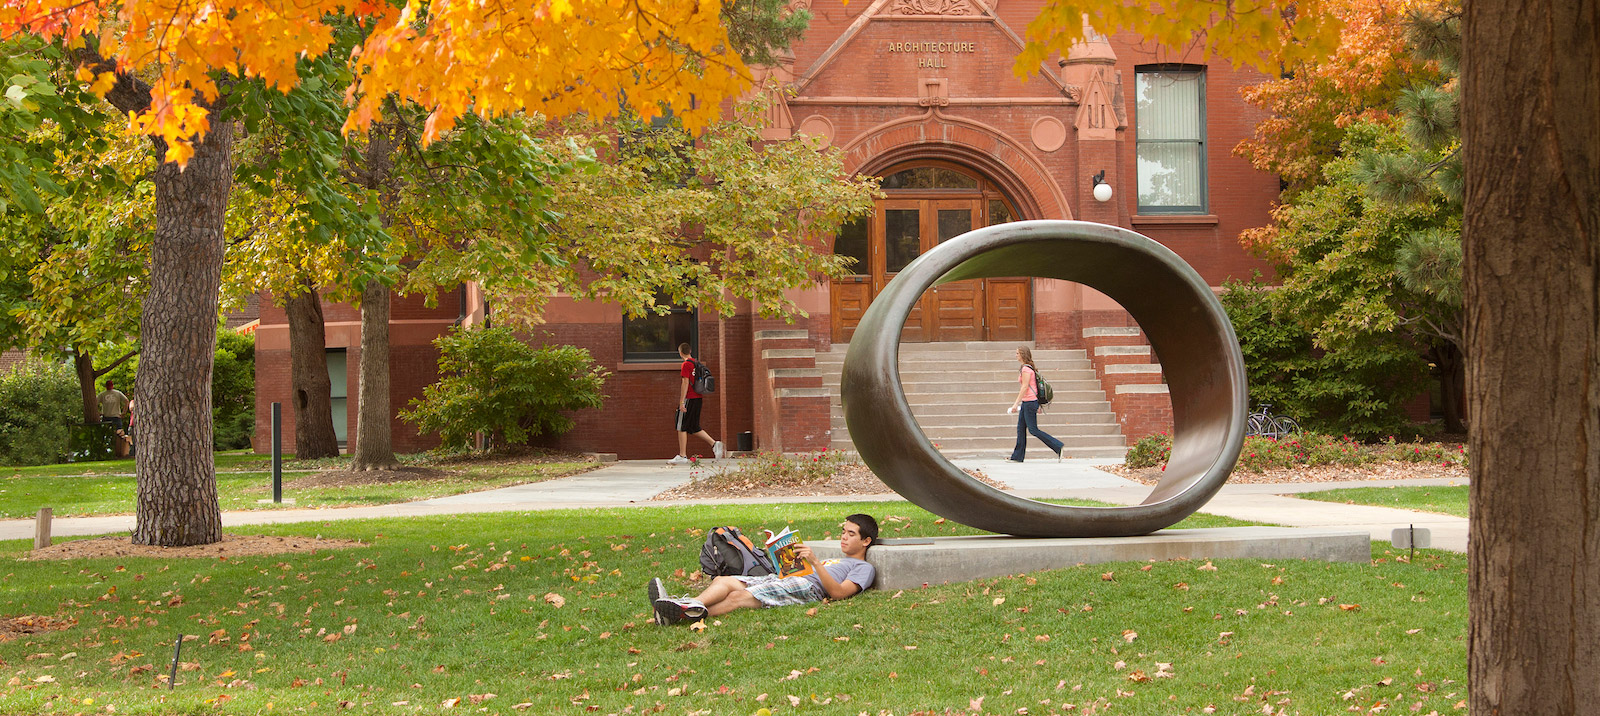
<point x="728" y="553"/>
<point x="704" y="382"/>
<point x="1043" y="389"/>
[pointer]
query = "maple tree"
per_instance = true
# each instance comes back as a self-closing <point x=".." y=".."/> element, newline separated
<point x="171" y="68"/>
<point x="69" y="274"/>
<point x="1369" y="254"/>
<point x="1317" y="100"/>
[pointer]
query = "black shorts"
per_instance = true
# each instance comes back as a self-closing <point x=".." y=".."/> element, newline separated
<point x="688" y="421"/>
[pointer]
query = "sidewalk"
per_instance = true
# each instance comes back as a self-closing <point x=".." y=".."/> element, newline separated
<point x="632" y="483"/>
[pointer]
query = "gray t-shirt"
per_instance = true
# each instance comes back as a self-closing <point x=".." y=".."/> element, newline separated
<point x="855" y="570"/>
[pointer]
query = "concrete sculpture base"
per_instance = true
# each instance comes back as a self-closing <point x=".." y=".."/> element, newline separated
<point x="941" y="560"/>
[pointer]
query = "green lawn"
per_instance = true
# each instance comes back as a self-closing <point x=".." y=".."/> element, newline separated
<point x="464" y="607"/>
<point x="1450" y="500"/>
<point x="230" y="460"/>
<point x="111" y="490"/>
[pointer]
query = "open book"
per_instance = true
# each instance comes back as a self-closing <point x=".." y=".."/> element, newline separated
<point x="783" y="549"/>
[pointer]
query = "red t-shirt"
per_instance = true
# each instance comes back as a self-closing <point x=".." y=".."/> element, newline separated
<point x="688" y="372"/>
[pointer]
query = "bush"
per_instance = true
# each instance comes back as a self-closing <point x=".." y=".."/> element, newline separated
<point x="38" y="404"/>
<point x="233" y="391"/>
<point x="1150" y="451"/>
<point x="494" y="383"/>
<point x="1308" y="450"/>
<point x="1358" y="389"/>
<point x="233" y="388"/>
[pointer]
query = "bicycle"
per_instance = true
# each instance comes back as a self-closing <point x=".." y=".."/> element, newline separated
<point x="1262" y="422"/>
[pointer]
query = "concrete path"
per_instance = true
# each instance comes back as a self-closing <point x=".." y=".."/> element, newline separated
<point x="634" y="482"/>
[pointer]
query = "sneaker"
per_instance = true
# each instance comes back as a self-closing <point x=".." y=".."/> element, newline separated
<point x="678" y="460"/>
<point x="655" y="591"/>
<point x="718" y="450"/>
<point x="1012" y="459"/>
<point x="672" y="611"/>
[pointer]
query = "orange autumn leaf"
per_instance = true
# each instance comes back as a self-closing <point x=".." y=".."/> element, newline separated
<point x="556" y="58"/>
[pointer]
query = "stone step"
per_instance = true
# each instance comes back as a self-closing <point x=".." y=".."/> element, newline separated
<point x="779" y="335"/>
<point x="1006" y="357"/>
<point x="1008" y="430"/>
<point x="1096" y="446"/>
<point x="1092" y="422"/>
<point x="910" y="386"/>
<point x="1078" y="411"/>
<point x="1000" y="376"/>
<point x="981" y="398"/>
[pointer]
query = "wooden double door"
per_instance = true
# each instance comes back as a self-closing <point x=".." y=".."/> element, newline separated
<point x="901" y="230"/>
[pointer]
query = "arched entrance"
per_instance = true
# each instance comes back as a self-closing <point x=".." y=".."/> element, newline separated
<point x="926" y="203"/>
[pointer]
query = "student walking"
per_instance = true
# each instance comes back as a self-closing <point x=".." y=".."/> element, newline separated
<point x="688" y="415"/>
<point x="1027" y="409"/>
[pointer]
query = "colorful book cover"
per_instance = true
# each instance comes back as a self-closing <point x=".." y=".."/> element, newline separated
<point x="784" y="551"/>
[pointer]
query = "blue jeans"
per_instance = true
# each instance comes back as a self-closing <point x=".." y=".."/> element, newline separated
<point x="1028" y="422"/>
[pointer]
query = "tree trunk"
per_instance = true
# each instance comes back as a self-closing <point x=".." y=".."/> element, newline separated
<point x="83" y="365"/>
<point x="312" y="398"/>
<point x="1530" y="93"/>
<point x="176" y="502"/>
<point x="1452" y="384"/>
<point x="374" y="438"/>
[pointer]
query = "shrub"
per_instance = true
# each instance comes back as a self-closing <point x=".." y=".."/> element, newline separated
<point x="1359" y="388"/>
<point x="494" y="383"/>
<point x="1308" y="449"/>
<point x="233" y="388"/>
<point x="1150" y="451"/>
<point x="38" y="404"/>
<point x="776" y="469"/>
<point x="233" y="391"/>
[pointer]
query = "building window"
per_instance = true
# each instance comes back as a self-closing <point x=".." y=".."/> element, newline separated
<point x="1171" y="118"/>
<point x="851" y="242"/>
<point x="653" y="338"/>
<point x="339" y="395"/>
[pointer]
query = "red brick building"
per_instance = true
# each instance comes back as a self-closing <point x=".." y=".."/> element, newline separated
<point x="921" y="93"/>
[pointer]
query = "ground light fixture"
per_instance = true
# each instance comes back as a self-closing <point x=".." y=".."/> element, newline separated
<point x="1102" y="190"/>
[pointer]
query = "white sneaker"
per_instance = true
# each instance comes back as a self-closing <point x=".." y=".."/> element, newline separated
<point x="718" y="450"/>
<point x="678" y="460"/>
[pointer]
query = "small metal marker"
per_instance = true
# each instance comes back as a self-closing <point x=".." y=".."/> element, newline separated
<point x="1410" y="537"/>
<point x="177" y="648"/>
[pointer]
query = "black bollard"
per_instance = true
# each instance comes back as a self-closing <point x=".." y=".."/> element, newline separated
<point x="277" y="453"/>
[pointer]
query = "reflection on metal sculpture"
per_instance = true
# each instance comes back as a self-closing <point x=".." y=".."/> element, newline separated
<point x="1182" y="318"/>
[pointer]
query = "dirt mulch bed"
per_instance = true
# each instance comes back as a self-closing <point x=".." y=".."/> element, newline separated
<point x="1325" y="473"/>
<point x="231" y="546"/>
<point x="847" y="480"/>
<point x="355" y="478"/>
<point x="13" y="627"/>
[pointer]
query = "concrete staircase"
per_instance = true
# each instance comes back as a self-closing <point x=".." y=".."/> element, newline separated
<point x="959" y="393"/>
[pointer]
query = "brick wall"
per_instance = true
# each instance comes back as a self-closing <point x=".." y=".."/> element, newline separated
<point x="1130" y="376"/>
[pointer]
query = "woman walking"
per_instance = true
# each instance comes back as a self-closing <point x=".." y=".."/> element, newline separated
<point x="1027" y="409"/>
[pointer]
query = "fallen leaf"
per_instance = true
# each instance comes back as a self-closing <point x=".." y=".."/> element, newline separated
<point x="976" y="704"/>
<point x="999" y="600"/>
<point x="555" y="600"/>
<point x="1128" y="635"/>
<point x="449" y="703"/>
<point x="1350" y="607"/>
<point x="794" y="700"/>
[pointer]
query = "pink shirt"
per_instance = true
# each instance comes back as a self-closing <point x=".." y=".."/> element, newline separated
<point x="1030" y="389"/>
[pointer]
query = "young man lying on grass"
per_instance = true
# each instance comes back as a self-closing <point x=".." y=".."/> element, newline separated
<point x="829" y="579"/>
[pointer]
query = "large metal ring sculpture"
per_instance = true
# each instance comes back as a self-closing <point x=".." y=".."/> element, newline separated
<point x="1181" y="317"/>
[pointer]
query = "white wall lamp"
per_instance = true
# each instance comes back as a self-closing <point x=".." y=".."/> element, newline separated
<point x="1102" y="190"/>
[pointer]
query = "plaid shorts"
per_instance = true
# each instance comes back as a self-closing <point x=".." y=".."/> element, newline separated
<point x="774" y="591"/>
